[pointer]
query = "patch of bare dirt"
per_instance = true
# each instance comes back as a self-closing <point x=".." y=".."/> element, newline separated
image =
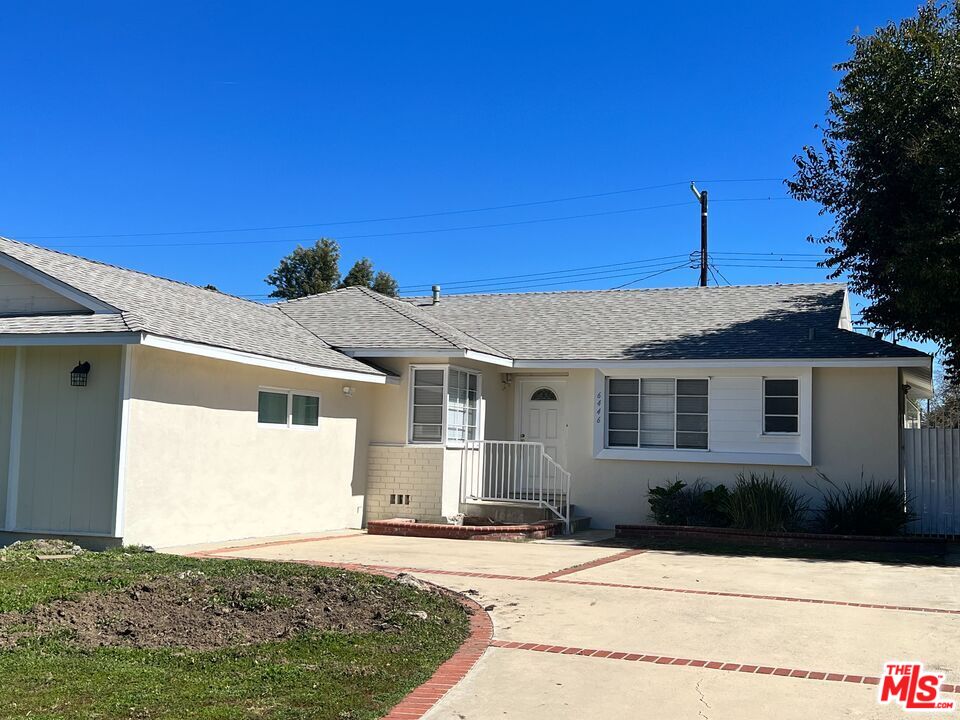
<point x="200" y="612"/>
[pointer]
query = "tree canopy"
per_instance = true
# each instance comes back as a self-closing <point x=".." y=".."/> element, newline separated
<point x="888" y="172"/>
<point x="312" y="270"/>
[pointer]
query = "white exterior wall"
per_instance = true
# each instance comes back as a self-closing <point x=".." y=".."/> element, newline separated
<point x="199" y="468"/>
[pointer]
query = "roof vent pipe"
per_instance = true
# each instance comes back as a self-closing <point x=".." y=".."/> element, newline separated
<point x="436" y="294"/>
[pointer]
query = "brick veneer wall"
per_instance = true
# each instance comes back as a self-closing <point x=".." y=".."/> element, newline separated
<point x="411" y="472"/>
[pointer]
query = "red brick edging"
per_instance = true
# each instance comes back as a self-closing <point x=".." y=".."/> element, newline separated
<point x="708" y="664"/>
<point x="422" y="699"/>
<point x="409" y="528"/>
<point x="606" y="560"/>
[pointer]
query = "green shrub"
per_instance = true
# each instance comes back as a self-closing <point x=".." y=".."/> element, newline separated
<point x="765" y="503"/>
<point x="697" y="504"/>
<point x="873" y="508"/>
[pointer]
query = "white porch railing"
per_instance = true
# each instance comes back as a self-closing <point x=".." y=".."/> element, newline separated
<point x="514" y="472"/>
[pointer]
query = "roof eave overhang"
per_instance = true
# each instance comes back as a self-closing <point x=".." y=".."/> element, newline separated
<point x="77" y="338"/>
<point x="918" y="362"/>
<point x="427" y="352"/>
<point x="246" y="358"/>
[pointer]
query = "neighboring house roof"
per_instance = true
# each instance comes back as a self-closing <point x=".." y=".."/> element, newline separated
<point x="357" y="317"/>
<point x="171" y="309"/>
<point x="736" y="322"/>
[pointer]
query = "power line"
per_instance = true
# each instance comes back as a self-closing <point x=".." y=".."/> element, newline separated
<point x="773" y="267"/>
<point x="720" y="274"/>
<point x="647" y="277"/>
<point x="419" y="216"/>
<point x="456" y="283"/>
<point x="713" y="275"/>
<point x="548" y="282"/>
<point x="401" y="233"/>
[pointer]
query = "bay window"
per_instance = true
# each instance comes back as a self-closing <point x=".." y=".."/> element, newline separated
<point x="444" y="405"/>
<point x="664" y="413"/>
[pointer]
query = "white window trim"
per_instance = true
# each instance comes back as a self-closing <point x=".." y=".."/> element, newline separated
<point x="605" y="445"/>
<point x="444" y="441"/>
<point x="289" y="424"/>
<point x="763" y="407"/>
<point x="803" y="457"/>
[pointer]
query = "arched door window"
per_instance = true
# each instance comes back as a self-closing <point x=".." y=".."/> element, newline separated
<point x="544" y="394"/>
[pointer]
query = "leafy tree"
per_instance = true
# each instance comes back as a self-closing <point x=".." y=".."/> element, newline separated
<point x="308" y="271"/>
<point x="944" y="410"/>
<point x="385" y="284"/>
<point x="360" y="274"/>
<point x="888" y="172"/>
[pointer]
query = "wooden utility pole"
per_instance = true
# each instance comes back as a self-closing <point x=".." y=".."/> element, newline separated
<point x="702" y="197"/>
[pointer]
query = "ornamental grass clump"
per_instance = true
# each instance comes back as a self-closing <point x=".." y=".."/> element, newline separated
<point x="871" y="508"/>
<point x="765" y="503"/>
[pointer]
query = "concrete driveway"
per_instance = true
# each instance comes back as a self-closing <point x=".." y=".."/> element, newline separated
<point x="587" y="631"/>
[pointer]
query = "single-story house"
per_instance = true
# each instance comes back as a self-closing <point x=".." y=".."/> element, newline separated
<point x="144" y="410"/>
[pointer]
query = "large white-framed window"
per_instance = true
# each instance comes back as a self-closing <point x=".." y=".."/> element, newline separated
<point x="444" y="404"/>
<point x="658" y="413"/>
<point x="283" y="408"/>
<point x="781" y="406"/>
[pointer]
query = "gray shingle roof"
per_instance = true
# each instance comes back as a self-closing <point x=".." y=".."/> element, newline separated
<point x="356" y="317"/>
<point x="177" y="310"/>
<point x="738" y="322"/>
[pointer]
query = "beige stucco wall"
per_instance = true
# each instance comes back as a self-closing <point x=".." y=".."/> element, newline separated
<point x="68" y="448"/>
<point x="200" y="468"/>
<point x="855" y="431"/>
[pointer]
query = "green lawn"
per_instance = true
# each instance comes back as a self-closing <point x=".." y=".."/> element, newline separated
<point x="314" y="675"/>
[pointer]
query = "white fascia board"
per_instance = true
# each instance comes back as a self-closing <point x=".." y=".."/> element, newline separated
<point x="245" y="358"/>
<point x="427" y="353"/>
<point x="923" y="362"/>
<point x="57" y="286"/>
<point x="108" y="338"/>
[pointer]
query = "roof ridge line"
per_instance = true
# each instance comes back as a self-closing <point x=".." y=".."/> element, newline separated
<point x="381" y="299"/>
<point x="395" y="304"/>
<point x="839" y="283"/>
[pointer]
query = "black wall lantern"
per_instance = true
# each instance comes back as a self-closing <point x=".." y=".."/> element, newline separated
<point x="78" y="376"/>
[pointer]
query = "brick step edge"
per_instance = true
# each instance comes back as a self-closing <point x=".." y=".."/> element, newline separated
<point x="407" y="528"/>
<point x="785" y="540"/>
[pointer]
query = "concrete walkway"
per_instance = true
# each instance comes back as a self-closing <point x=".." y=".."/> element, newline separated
<point x="586" y="631"/>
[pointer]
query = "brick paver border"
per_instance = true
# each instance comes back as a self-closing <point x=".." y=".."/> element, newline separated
<point x="588" y="565"/>
<point x="708" y="664"/>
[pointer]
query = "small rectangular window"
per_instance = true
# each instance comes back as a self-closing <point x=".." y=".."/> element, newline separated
<point x="306" y="410"/>
<point x="272" y="408"/>
<point x="781" y="406"/>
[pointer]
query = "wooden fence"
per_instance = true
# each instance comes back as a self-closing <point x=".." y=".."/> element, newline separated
<point x="932" y="476"/>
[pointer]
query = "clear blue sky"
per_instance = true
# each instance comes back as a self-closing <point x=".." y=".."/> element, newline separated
<point x="122" y="118"/>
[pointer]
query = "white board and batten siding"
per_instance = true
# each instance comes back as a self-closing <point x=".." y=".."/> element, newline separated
<point x="932" y="474"/>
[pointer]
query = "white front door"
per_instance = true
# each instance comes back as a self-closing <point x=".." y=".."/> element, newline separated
<point x="542" y="416"/>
